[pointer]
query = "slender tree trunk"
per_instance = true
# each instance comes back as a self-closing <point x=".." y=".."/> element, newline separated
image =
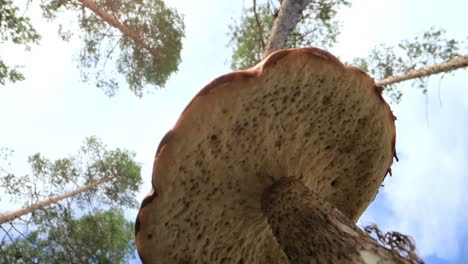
<point x="310" y="230"/>
<point x="113" y="21"/>
<point x="288" y="18"/>
<point x="454" y="64"/>
<point x="286" y="21"/>
<point x="54" y="199"/>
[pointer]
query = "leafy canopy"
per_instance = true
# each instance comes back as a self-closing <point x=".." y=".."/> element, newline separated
<point x="106" y="49"/>
<point x="86" y="228"/>
<point x="316" y="27"/>
<point x="160" y="27"/>
<point x="92" y="163"/>
<point x="102" y="237"/>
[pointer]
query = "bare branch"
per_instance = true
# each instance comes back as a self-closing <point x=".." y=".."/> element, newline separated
<point x="288" y="17"/>
<point x="260" y="31"/>
<point x="451" y="65"/>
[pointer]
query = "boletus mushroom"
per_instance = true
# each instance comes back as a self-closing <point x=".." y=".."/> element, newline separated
<point x="299" y="113"/>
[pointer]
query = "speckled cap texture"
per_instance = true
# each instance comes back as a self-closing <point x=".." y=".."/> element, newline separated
<point x="299" y="112"/>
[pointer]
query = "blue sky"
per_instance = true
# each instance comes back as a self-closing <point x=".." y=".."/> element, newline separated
<point x="52" y="111"/>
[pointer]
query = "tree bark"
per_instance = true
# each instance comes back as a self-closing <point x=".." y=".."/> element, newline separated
<point x="54" y="199"/>
<point x="310" y="230"/>
<point x="113" y="21"/>
<point x="451" y="65"/>
<point x="287" y="19"/>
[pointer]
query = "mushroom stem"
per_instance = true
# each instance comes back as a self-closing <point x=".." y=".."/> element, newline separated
<point x="310" y="230"/>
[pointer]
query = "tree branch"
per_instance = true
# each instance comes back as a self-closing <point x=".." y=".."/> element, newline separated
<point x="451" y="65"/>
<point x="113" y="21"/>
<point x="288" y="17"/>
<point x="26" y="210"/>
<point x="260" y="31"/>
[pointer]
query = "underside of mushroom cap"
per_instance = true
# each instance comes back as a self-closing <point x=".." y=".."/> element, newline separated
<point x="300" y="112"/>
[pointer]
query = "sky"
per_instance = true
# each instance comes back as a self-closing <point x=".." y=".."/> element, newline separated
<point x="52" y="111"/>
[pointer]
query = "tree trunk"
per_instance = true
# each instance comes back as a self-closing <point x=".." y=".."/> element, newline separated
<point x="285" y="23"/>
<point x="288" y="18"/>
<point x="453" y="64"/>
<point x="113" y="21"/>
<point x="54" y="199"/>
<point x="310" y="230"/>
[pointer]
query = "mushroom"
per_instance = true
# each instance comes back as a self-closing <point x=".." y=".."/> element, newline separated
<point x="299" y="113"/>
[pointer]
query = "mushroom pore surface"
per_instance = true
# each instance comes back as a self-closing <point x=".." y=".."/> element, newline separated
<point x="299" y="112"/>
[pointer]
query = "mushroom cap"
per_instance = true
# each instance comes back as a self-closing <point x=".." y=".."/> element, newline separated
<point x="299" y="112"/>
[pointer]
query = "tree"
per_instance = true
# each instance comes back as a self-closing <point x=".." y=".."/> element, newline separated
<point x="142" y="39"/>
<point x="313" y="23"/>
<point x="430" y="53"/>
<point x="58" y="192"/>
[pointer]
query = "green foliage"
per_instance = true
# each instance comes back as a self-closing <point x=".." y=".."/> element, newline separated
<point x="52" y="234"/>
<point x="432" y="47"/>
<point x="116" y="164"/>
<point x="160" y="27"/>
<point x="17" y="30"/>
<point x="93" y="162"/>
<point x="102" y="237"/>
<point x="317" y="27"/>
<point x="245" y="38"/>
